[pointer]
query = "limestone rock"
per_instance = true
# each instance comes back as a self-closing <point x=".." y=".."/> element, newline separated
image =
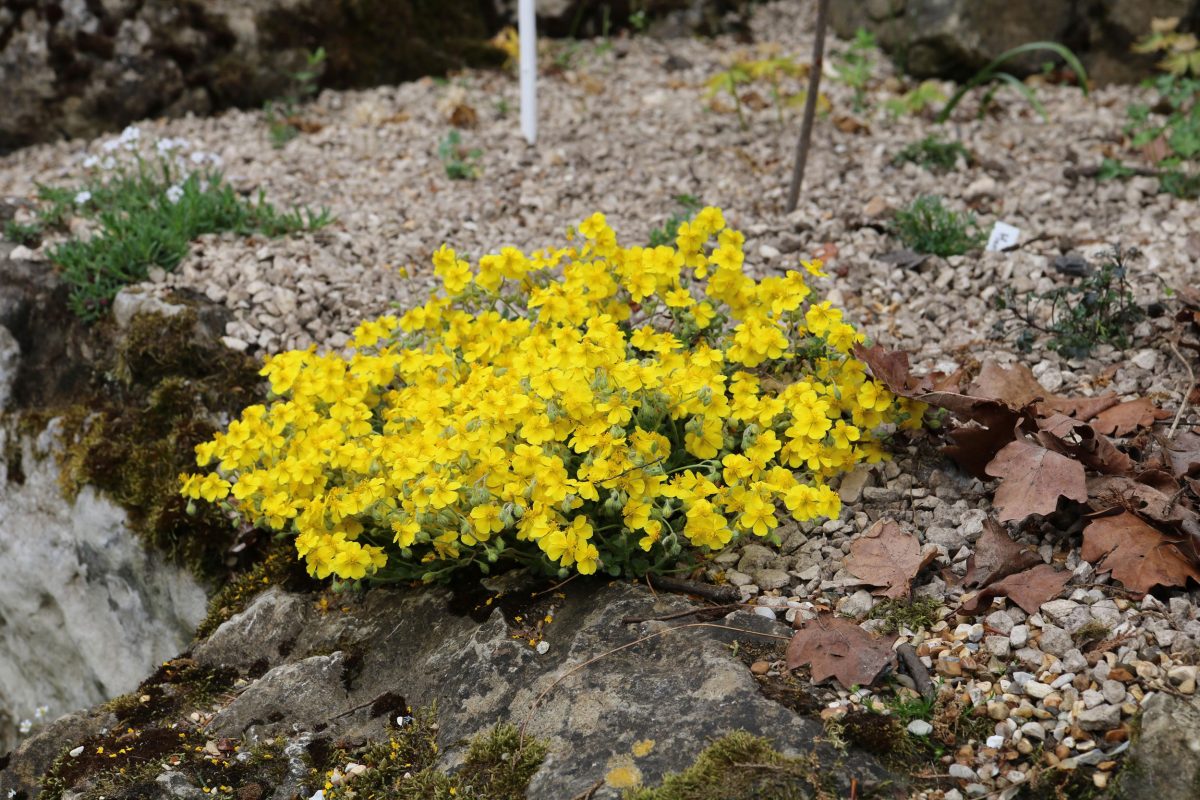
<point x="955" y="38"/>
<point x="336" y="670"/>
<point x="1165" y="757"/>
<point x="82" y="68"/>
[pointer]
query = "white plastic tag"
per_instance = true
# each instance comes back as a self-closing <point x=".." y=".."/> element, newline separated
<point x="1003" y="236"/>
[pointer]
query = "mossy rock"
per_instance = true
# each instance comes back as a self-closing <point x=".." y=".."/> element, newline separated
<point x="133" y="403"/>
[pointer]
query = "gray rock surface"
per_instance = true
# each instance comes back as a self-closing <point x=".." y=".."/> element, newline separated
<point x="955" y="38"/>
<point x="1165" y="758"/>
<point x="85" y="609"/>
<point x="680" y="690"/>
<point x="77" y="68"/>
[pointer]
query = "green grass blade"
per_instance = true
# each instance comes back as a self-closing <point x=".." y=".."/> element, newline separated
<point x="989" y="72"/>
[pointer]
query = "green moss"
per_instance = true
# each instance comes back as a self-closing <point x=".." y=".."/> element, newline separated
<point x="739" y="765"/>
<point x="911" y="614"/>
<point x="158" y="391"/>
<point x="498" y="766"/>
<point x="154" y="733"/>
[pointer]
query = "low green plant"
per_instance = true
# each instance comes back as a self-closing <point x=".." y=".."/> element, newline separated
<point x="926" y="226"/>
<point x="934" y="154"/>
<point x="741" y="765"/>
<point x="460" y="162"/>
<point x="992" y="76"/>
<point x="773" y="70"/>
<point x="282" y="114"/>
<point x="911" y="614"/>
<point x="28" y="235"/>
<point x="854" y="67"/>
<point x="688" y="206"/>
<point x="916" y="100"/>
<point x="1096" y="308"/>
<point x="146" y="218"/>
<point x="404" y="766"/>
<point x="907" y="708"/>
<point x="1177" y="133"/>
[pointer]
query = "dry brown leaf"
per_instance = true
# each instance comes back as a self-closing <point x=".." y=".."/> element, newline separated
<point x="891" y="367"/>
<point x="996" y="556"/>
<point x="887" y="557"/>
<point x="1137" y="555"/>
<point x="463" y="116"/>
<point x="974" y="447"/>
<point x="1033" y="478"/>
<point x="1080" y="441"/>
<point x="1014" y="386"/>
<point x="1028" y="589"/>
<point x="835" y="647"/>
<point x="1118" y="491"/>
<point x="1081" y="408"/>
<point x="1123" y="419"/>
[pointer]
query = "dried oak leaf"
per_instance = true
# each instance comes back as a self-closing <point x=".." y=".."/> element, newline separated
<point x="887" y="557"/>
<point x="1080" y="441"/>
<point x="996" y="556"/>
<point x="1119" y="491"/>
<point x="1184" y="454"/>
<point x="1033" y="478"/>
<point x="1123" y="419"/>
<point x="1136" y="554"/>
<point x="891" y="367"/>
<point x="1014" y="386"/>
<point x="835" y="647"/>
<point x="1028" y="589"/>
<point x="973" y="447"/>
<point x="1081" y="408"/>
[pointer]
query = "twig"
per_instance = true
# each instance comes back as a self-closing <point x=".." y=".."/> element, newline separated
<point x="685" y="613"/>
<point x="537" y="700"/>
<point x="1183" y="403"/>
<point x="810" y="106"/>
<point x="556" y="586"/>
<point x="917" y="671"/>
<point x="718" y="594"/>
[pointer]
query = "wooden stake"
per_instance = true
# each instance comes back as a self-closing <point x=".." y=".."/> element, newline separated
<point x="810" y="106"/>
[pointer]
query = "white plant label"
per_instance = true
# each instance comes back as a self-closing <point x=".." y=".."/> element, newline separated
<point x="1003" y="236"/>
<point x="527" y="67"/>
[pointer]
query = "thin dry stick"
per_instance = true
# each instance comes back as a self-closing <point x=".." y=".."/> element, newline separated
<point x="810" y="106"/>
<point x="537" y="700"/>
<point x="1187" y="391"/>
<point x="556" y="586"/>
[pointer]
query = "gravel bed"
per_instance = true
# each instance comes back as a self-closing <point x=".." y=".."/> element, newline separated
<point x="625" y="127"/>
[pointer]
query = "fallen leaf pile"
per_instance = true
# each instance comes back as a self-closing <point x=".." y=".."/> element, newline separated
<point x="1138" y="488"/>
<point x="1001" y="567"/>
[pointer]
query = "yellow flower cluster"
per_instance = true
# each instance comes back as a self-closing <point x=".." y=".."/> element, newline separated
<point x="593" y="407"/>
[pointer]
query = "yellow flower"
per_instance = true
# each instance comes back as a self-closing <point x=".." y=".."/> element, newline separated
<point x="570" y="408"/>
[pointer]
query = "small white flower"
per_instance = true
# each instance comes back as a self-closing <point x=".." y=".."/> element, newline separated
<point x="319" y="794"/>
<point x="111" y="145"/>
<point x="91" y="162"/>
<point x="12" y="793"/>
<point x="82" y="197"/>
<point x="40" y="712"/>
<point x="108" y="164"/>
<point x="174" y="194"/>
<point x="197" y="157"/>
<point x="130" y="134"/>
<point x="25" y="726"/>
